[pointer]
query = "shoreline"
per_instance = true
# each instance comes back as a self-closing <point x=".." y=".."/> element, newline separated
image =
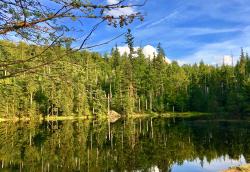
<point x="47" y="118"/>
<point x="242" y="168"/>
<point x="131" y="116"/>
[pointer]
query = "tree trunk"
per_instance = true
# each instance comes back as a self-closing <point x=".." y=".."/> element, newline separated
<point x="108" y="104"/>
<point x="150" y="102"/>
<point x="139" y="105"/>
<point x="31" y="99"/>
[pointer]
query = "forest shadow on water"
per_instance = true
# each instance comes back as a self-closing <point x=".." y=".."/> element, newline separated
<point x="151" y="144"/>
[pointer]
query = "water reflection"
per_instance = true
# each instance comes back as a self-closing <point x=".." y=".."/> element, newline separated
<point x="218" y="164"/>
<point x="128" y="145"/>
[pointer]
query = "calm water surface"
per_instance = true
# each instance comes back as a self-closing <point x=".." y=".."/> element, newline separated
<point x="128" y="145"/>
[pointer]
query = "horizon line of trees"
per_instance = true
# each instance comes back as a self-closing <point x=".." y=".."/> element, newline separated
<point x="87" y="83"/>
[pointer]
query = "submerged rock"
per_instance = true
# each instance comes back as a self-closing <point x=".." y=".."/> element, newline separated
<point x="113" y="116"/>
<point x="243" y="168"/>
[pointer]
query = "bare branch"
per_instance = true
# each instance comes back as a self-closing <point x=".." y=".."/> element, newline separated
<point x="39" y="22"/>
<point x="104" y="43"/>
<point x="90" y="33"/>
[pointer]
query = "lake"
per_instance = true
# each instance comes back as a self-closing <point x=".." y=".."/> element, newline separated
<point x="148" y="144"/>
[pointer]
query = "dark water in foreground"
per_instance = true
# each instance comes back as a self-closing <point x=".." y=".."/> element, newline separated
<point x="131" y="145"/>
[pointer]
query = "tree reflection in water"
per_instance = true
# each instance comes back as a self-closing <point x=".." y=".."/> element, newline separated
<point x="140" y="144"/>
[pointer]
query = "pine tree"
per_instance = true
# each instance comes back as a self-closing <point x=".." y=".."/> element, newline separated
<point x="130" y="42"/>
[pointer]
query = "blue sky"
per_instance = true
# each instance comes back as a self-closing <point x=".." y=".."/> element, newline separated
<point x="189" y="30"/>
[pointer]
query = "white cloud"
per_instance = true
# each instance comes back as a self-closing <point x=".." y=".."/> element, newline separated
<point x="206" y="31"/>
<point x="168" y="17"/>
<point x="172" y="16"/>
<point x="124" y="49"/>
<point x="223" y="10"/>
<point x="149" y="51"/>
<point x="228" y="60"/>
<point x="112" y="1"/>
<point x="214" y="53"/>
<point x="197" y="31"/>
<point x="119" y="11"/>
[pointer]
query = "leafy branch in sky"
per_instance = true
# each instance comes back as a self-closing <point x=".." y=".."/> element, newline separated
<point x="56" y="23"/>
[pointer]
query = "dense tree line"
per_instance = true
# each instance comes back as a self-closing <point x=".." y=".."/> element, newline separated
<point x="84" y="83"/>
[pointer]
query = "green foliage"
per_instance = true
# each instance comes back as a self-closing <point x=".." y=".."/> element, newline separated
<point x="85" y="83"/>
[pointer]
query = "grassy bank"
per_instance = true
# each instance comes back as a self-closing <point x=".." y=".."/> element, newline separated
<point x="209" y="116"/>
<point x="47" y="118"/>
<point x="63" y="118"/>
<point x="169" y="114"/>
<point x="16" y="119"/>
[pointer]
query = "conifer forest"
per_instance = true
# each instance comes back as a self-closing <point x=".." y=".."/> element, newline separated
<point x="124" y="86"/>
<point x="88" y="83"/>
